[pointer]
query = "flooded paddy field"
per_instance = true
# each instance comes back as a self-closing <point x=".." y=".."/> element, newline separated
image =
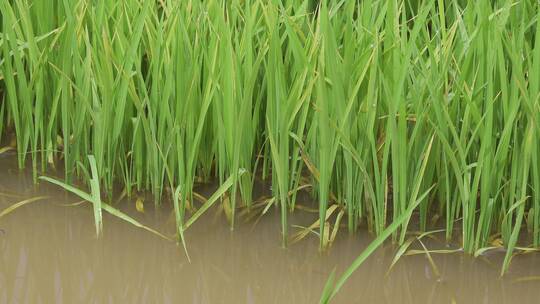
<point x="49" y="254"/>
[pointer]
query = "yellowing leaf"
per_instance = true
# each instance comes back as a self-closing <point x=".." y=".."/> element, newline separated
<point x="5" y="149"/>
<point x="227" y="207"/>
<point x="139" y="205"/>
<point x="20" y="204"/>
<point x="497" y="242"/>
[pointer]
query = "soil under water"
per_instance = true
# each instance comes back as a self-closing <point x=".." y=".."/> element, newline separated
<point x="49" y="254"/>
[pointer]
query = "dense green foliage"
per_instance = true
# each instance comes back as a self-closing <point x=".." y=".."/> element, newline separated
<point x="373" y="105"/>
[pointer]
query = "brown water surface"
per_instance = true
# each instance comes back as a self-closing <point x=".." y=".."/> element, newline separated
<point x="49" y="254"/>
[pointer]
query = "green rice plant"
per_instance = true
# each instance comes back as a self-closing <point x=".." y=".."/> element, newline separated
<point x="287" y="92"/>
<point x="2" y="122"/>
<point x="341" y="99"/>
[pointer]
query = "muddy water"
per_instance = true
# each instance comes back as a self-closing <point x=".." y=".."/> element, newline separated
<point x="49" y="254"/>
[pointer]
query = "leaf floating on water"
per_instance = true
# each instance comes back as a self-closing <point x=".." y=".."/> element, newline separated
<point x="498" y="242"/>
<point x="5" y="149"/>
<point x="13" y="207"/>
<point x="436" y="251"/>
<point x="307" y="209"/>
<point x="199" y="197"/>
<point x="113" y="211"/>
<point x="306" y="230"/>
<point x="139" y="205"/>
<point x="72" y="204"/>
<point x="526" y="279"/>
<point x="131" y="220"/>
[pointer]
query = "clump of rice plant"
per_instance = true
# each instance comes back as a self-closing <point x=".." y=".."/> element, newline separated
<point x="383" y="109"/>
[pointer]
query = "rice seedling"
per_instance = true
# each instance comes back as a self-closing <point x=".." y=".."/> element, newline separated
<point x="392" y="113"/>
